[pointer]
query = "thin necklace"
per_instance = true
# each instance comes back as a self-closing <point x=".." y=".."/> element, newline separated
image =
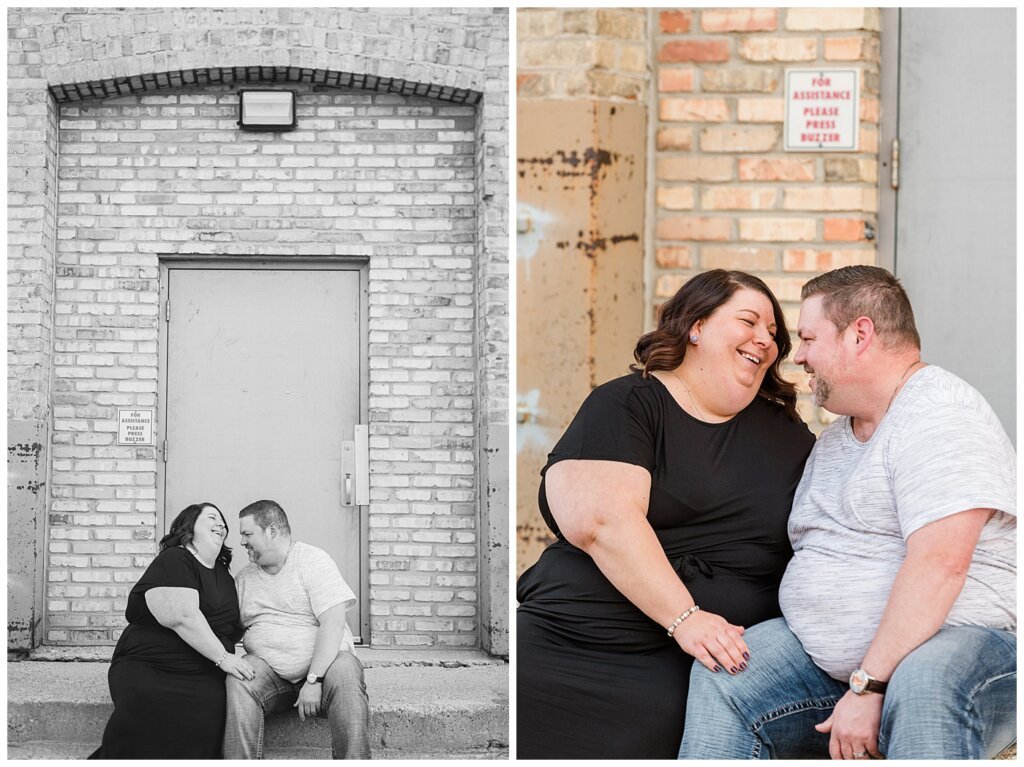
<point x="690" y="395"/>
<point x="899" y="384"/>
<point x="853" y="421"/>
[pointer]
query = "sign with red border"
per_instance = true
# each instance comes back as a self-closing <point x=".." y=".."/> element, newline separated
<point x="822" y="110"/>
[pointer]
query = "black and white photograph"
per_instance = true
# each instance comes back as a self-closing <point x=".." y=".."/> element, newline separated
<point x="258" y="375"/>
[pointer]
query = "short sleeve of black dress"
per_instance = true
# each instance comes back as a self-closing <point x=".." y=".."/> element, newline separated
<point x="618" y="421"/>
<point x="175" y="567"/>
<point x="171" y="568"/>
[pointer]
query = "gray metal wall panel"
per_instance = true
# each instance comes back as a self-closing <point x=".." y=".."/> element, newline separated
<point x="955" y="241"/>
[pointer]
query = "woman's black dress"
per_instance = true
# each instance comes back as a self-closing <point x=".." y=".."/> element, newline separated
<point x="597" y="678"/>
<point x="169" y="700"/>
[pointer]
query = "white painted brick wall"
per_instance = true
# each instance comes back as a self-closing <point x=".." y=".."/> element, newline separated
<point x="384" y="176"/>
<point x="73" y="50"/>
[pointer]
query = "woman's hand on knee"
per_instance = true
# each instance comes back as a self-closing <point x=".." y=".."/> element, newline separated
<point x="714" y="642"/>
<point x="237" y="668"/>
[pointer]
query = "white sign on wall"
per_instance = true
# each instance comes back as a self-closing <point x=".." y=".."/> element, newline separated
<point x="135" y="427"/>
<point x="822" y="110"/>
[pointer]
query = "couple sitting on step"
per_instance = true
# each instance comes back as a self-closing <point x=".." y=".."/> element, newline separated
<point x="724" y="587"/>
<point x="179" y="690"/>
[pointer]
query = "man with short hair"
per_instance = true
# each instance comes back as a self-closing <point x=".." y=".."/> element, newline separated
<point x="293" y="602"/>
<point x="899" y="630"/>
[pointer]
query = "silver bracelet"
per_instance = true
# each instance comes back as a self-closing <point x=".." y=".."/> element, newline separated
<point x="221" y="659"/>
<point x="686" y="614"/>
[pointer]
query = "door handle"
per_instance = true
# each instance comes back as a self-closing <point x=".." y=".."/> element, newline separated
<point x="347" y="497"/>
<point x="348" y="469"/>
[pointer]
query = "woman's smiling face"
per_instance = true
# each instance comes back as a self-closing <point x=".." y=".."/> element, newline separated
<point x="210" y="529"/>
<point x="737" y="341"/>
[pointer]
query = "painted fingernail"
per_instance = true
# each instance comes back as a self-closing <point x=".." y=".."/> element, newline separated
<point x="746" y="656"/>
<point x="717" y="668"/>
<point x="732" y="670"/>
<point x="743" y="667"/>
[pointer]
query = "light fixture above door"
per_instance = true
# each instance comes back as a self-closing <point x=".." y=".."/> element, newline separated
<point x="266" y="110"/>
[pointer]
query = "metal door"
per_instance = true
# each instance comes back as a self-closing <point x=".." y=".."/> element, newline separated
<point x="953" y="244"/>
<point x="262" y="399"/>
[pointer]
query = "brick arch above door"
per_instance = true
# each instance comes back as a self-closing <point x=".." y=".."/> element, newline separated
<point x="124" y="86"/>
<point x="95" y="53"/>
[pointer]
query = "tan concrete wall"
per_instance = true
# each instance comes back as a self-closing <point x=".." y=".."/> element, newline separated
<point x="581" y="186"/>
<point x="579" y="273"/>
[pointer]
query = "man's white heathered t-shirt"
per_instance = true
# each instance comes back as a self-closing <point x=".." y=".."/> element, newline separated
<point x="279" y="612"/>
<point x="938" y="451"/>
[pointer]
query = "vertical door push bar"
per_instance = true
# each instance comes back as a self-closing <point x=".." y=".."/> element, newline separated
<point x="355" y="468"/>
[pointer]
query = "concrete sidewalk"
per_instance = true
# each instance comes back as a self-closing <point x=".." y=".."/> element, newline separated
<point x="422" y="705"/>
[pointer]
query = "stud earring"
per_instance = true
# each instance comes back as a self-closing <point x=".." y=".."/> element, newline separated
<point x="694" y="338"/>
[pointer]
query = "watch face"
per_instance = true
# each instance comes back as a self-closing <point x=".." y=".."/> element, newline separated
<point x="858" y="681"/>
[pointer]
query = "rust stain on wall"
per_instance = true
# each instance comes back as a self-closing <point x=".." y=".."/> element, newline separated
<point x="580" y="292"/>
<point x="591" y="163"/>
<point x="26" y="512"/>
<point x="25" y="450"/>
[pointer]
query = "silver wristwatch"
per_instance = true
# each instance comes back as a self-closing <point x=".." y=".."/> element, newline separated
<point x="312" y="678"/>
<point x="862" y="682"/>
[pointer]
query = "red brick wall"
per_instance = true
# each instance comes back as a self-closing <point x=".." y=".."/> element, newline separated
<point x="727" y="195"/>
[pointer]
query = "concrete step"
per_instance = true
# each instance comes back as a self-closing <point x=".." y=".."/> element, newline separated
<point x="76" y="751"/>
<point x="421" y="704"/>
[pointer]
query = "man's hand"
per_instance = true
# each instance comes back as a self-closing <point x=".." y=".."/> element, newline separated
<point x="854" y="725"/>
<point x="308" y="703"/>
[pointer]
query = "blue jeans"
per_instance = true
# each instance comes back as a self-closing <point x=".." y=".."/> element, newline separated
<point x="344" y="704"/>
<point x="954" y="697"/>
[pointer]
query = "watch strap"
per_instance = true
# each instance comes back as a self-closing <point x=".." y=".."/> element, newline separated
<point x="874" y="685"/>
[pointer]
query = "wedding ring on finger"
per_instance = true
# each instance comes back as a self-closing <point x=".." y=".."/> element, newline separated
<point x="860" y="755"/>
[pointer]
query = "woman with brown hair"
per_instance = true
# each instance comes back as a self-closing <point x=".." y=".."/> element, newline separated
<point x="669" y="495"/>
<point x="167" y="673"/>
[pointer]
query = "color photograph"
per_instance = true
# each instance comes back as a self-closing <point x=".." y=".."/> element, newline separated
<point x="765" y="383"/>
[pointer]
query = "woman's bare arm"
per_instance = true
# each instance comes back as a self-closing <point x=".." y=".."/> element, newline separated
<point x="177" y="608"/>
<point x="601" y="508"/>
